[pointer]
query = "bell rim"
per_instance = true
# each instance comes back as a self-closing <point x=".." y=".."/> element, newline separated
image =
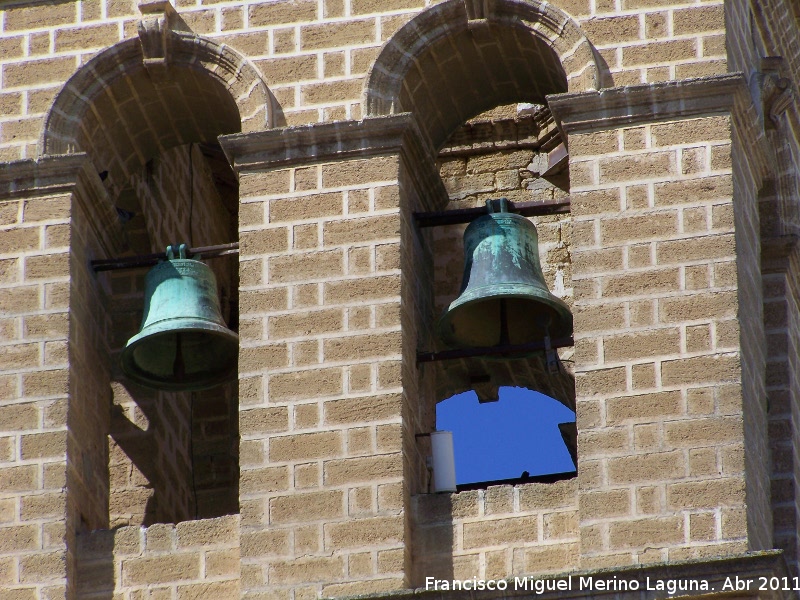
<point x="198" y="324"/>
<point x="513" y="291"/>
<point x="214" y="379"/>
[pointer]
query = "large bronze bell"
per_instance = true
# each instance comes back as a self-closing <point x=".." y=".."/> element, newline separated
<point x="183" y="343"/>
<point x="504" y="299"/>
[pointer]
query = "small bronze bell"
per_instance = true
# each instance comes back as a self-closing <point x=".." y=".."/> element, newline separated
<point x="183" y="343"/>
<point x="504" y="299"/>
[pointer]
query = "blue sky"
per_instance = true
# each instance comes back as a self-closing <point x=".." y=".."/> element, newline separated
<point x="500" y="440"/>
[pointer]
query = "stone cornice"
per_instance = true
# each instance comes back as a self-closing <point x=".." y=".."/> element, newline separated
<point x="318" y="142"/>
<point x="636" y="104"/>
<point x="339" y="140"/>
<point x="52" y="174"/>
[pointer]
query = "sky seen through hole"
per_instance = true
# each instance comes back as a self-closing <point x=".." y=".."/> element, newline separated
<point x="500" y="440"/>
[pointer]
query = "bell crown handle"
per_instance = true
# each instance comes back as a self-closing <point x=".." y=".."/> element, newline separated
<point x="171" y="251"/>
<point x="499" y="205"/>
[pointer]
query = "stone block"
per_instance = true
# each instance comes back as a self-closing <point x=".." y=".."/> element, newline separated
<point x="361" y="230"/>
<point x="315" y="206"/>
<point x="651" y="532"/>
<point x="362" y="469"/>
<point x="312" y="506"/>
<point x="364" y="533"/>
<point x="640" y="468"/>
<point x="307" y="570"/>
<point x="362" y="410"/>
<point x="361" y="171"/>
<point x="305" y="323"/>
<point x="645" y="407"/>
<point x="208" y="532"/>
<point x="604" y="504"/>
<point x="279" y="13"/>
<point x="711" y="493"/>
<point x="306" y="266"/>
<point x="267" y="479"/>
<point x="38" y="71"/>
<point x="304" y="446"/>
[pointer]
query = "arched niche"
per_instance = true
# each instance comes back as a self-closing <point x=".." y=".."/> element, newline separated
<point x="462" y="57"/>
<point x="452" y="63"/>
<point x="150" y="135"/>
<point x="120" y="116"/>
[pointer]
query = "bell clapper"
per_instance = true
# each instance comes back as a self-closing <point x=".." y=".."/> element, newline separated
<point x="178" y="367"/>
<point x="504" y="341"/>
<point x="550" y="354"/>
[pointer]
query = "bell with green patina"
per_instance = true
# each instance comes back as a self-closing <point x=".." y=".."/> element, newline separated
<point x="183" y="343"/>
<point x="504" y="299"/>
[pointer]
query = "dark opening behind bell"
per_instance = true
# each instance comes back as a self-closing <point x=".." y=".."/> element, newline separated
<point x="183" y="343"/>
<point x="503" y="299"/>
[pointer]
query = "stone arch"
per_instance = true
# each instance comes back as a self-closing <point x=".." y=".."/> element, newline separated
<point x="121" y="114"/>
<point x="518" y="50"/>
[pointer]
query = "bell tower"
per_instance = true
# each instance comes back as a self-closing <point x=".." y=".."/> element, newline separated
<point x="328" y="164"/>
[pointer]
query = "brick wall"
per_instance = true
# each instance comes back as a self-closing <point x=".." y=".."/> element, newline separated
<point x="747" y="180"/>
<point x="196" y="559"/>
<point x="321" y="405"/>
<point x="315" y="55"/>
<point x="768" y="55"/>
<point x="661" y="391"/>
<point x="496" y="532"/>
<point x="36" y="381"/>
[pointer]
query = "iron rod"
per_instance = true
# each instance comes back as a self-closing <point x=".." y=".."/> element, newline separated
<point x="465" y="215"/>
<point x="423" y="357"/>
<point x="149" y="260"/>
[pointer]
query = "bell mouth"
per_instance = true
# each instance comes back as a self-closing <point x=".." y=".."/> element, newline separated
<point x="476" y="320"/>
<point x="186" y="357"/>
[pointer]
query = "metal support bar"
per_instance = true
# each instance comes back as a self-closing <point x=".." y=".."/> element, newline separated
<point x="465" y="215"/>
<point x="149" y="260"/>
<point x="510" y="349"/>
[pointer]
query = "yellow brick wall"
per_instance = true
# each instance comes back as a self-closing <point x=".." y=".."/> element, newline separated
<point x="314" y="55"/>
<point x="321" y="494"/>
<point x="195" y="559"/>
<point x="34" y="386"/>
<point x="658" y="369"/>
<point x="492" y="533"/>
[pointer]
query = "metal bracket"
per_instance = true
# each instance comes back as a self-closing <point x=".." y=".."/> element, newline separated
<point x="510" y="351"/>
<point x="466" y="215"/>
<point x="150" y="260"/>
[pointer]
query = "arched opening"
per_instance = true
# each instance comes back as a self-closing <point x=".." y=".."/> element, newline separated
<point x="155" y="165"/>
<point x="523" y="437"/>
<point x="513" y="151"/>
<point x="476" y="77"/>
<point x="458" y="59"/>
